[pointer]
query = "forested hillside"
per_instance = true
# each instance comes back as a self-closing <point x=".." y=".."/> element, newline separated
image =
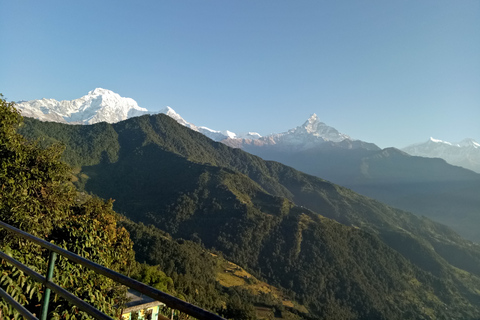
<point x="377" y="262"/>
<point x="37" y="196"/>
<point x="425" y="186"/>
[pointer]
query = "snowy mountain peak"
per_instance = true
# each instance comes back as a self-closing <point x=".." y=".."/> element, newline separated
<point x="99" y="105"/>
<point x="314" y="127"/>
<point x="465" y="143"/>
<point x="229" y="134"/>
<point x="100" y="92"/>
<point x="465" y="153"/>
<point x="309" y="135"/>
<point x="469" y="143"/>
<point x="249" y="135"/>
<point x="312" y="124"/>
<point x="172" y="114"/>
<point x="438" y="141"/>
<point x="212" y="134"/>
<point x="313" y="118"/>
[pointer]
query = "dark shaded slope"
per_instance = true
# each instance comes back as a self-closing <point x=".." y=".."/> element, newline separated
<point x="336" y="271"/>
<point x="425" y="186"/>
<point x="135" y="136"/>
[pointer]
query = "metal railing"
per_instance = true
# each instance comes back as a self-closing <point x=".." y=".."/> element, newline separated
<point x="158" y="295"/>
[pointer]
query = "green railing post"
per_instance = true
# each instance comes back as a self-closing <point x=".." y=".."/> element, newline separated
<point x="46" y="297"/>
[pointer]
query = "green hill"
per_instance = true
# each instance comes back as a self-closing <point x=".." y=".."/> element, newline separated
<point x="431" y="187"/>
<point x="375" y="262"/>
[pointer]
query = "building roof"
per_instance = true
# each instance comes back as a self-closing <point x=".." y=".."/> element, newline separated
<point x="138" y="301"/>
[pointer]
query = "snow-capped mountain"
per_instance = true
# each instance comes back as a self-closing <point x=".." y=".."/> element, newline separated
<point x="97" y="106"/>
<point x="212" y="134"/>
<point x="465" y="153"/>
<point x="311" y="134"/>
<point x="104" y="105"/>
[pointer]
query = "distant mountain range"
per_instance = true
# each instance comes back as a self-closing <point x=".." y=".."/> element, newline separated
<point x="312" y="134"/>
<point x="97" y="106"/>
<point x="426" y="186"/>
<point x="101" y="105"/>
<point x="465" y="153"/>
<point x="429" y="187"/>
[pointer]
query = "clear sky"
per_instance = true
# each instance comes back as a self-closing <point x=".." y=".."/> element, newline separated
<point x="388" y="72"/>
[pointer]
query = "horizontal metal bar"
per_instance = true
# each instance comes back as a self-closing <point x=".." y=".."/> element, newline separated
<point x="82" y="305"/>
<point x="158" y="295"/>
<point x="21" y="309"/>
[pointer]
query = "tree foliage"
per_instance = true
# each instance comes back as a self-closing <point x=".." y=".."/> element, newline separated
<point x="37" y="197"/>
<point x="193" y="270"/>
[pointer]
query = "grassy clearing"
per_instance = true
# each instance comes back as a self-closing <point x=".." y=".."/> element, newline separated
<point x="232" y="275"/>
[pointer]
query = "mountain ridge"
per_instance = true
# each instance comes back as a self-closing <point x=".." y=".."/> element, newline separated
<point x="97" y="105"/>
<point x="105" y="105"/>
<point x="465" y="153"/>
<point x="272" y="218"/>
<point x="426" y="187"/>
<point x="310" y="134"/>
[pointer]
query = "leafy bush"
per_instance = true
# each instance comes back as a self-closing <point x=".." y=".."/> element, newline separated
<point x="37" y="197"/>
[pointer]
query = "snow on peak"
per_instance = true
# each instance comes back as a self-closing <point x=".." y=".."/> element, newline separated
<point x="312" y="124"/>
<point x="212" y="134"/>
<point x="465" y="153"/>
<point x="314" y="127"/>
<point x="439" y="141"/>
<point x="102" y="105"/>
<point x="249" y="135"/>
<point x="100" y="91"/>
<point x="465" y="143"/>
<point x="313" y="118"/>
<point x="468" y="142"/>
<point x="172" y="114"/>
<point x="309" y="135"/>
<point x="99" y="105"/>
<point x="229" y="134"/>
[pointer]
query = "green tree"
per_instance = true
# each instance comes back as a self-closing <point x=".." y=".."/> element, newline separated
<point x="154" y="277"/>
<point x="37" y="197"/>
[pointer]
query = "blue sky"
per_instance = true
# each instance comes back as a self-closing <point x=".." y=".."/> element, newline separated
<point x="388" y="72"/>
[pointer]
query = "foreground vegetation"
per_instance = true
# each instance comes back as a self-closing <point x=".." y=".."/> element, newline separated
<point x="37" y="197"/>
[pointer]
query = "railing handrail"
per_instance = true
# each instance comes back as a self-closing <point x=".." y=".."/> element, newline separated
<point x="168" y="300"/>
